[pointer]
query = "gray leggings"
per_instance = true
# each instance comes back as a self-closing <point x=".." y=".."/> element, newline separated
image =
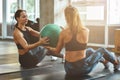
<point x="40" y="52"/>
<point x="32" y="57"/>
<point x="86" y="65"/>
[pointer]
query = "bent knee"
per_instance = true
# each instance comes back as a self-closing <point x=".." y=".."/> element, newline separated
<point x="102" y="49"/>
<point x="90" y="50"/>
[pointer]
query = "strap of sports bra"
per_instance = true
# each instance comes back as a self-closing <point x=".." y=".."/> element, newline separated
<point x="18" y="28"/>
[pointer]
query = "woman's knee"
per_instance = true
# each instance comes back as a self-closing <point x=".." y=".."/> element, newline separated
<point x="101" y="48"/>
<point x="90" y="50"/>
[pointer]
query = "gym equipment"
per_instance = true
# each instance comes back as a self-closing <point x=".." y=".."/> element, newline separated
<point x="51" y="31"/>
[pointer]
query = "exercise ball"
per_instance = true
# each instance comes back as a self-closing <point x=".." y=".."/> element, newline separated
<point x="51" y="31"/>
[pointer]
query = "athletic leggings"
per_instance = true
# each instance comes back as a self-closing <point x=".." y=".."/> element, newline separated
<point x="86" y="65"/>
<point x="31" y="58"/>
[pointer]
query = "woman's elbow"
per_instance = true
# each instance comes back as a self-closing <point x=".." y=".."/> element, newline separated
<point x="27" y="48"/>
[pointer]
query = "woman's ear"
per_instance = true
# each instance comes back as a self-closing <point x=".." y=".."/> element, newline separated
<point x="17" y="19"/>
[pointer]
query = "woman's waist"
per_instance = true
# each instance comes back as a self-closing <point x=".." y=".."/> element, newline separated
<point x="74" y="55"/>
<point x="22" y="51"/>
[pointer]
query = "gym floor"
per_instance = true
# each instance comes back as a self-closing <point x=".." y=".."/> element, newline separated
<point x="47" y="70"/>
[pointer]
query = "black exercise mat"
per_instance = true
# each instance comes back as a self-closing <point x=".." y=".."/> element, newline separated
<point x="53" y="71"/>
<point x="15" y="67"/>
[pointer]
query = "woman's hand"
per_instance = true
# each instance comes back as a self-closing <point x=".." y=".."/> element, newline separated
<point x="48" y="47"/>
<point x="52" y="52"/>
<point x="44" y="40"/>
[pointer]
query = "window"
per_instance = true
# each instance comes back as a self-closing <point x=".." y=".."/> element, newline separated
<point x="29" y="6"/>
<point x="32" y="7"/>
<point x="114" y="12"/>
<point x="91" y="11"/>
<point x="95" y="10"/>
<point x="0" y="11"/>
<point x="1" y="17"/>
<point x="11" y="9"/>
<point x="95" y="13"/>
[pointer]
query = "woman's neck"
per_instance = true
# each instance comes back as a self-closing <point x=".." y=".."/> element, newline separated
<point x="21" y="26"/>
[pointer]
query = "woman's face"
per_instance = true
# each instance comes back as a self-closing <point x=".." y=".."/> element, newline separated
<point x="23" y="19"/>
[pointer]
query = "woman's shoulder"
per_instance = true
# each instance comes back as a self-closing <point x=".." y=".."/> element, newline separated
<point x="64" y="31"/>
<point x="16" y="33"/>
<point x="85" y="29"/>
<point x="29" y="28"/>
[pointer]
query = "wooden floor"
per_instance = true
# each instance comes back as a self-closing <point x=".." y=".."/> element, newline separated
<point x="47" y="70"/>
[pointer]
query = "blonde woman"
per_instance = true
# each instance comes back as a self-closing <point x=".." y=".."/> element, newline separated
<point x="78" y="59"/>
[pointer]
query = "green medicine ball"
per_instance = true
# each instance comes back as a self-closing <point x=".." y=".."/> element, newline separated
<point x="51" y="31"/>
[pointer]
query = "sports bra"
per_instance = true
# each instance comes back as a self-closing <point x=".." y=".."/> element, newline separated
<point x="26" y="34"/>
<point x="74" y="45"/>
<point x="19" y="46"/>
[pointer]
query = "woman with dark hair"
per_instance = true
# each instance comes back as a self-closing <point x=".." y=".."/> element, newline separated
<point x="79" y="60"/>
<point x="29" y="54"/>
